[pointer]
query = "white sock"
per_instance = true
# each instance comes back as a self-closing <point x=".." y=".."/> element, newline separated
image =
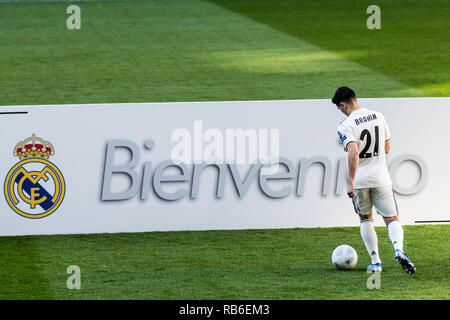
<point x="396" y="234"/>
<point x="370" y="239"/>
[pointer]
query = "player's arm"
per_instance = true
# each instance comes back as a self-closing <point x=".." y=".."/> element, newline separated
<point x="387" y="135"/>
<point x="387" y="146"/>
<point x="353" y="162"/>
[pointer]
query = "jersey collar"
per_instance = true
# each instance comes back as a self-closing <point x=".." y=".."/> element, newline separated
<point x="356" y="111"/>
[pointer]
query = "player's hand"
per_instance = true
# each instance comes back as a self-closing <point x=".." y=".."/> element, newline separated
<point x="351" y="189"/>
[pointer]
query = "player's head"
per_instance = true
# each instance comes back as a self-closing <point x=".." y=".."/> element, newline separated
<point x="345" y="99"/>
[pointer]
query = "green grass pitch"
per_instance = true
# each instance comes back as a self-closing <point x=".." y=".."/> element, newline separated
<point x="238" y="264"/>
<point x="193" y="50"/>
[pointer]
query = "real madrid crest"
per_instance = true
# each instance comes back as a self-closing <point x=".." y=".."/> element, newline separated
<point x="34" y="188"/>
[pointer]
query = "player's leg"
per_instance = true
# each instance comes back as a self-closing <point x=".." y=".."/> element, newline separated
<point x="386" y="206"/>
<point x="363" y="207"/>
<point x="395" y="231"/>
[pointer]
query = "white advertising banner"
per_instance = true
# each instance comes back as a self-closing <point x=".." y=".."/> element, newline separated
<point x="207" y="166"/>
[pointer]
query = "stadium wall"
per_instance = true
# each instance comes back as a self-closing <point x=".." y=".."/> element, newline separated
<point x="114" y="167"/>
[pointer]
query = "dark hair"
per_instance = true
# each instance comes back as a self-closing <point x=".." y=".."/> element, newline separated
<point x="343" y="94"/>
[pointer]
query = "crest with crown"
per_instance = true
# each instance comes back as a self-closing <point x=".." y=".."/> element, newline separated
<point x="34" y="147"/>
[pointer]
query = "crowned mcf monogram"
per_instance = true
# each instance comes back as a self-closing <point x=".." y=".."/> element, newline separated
<point x="34" y="187"/>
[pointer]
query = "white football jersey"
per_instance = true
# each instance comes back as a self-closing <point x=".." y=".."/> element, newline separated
<point x="370" y="131"/>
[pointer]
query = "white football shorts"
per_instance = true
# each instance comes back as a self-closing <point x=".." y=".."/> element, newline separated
<point x="382" y="198"/>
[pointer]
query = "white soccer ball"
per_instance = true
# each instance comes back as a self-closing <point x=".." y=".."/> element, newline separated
<point x="344" y="257"/>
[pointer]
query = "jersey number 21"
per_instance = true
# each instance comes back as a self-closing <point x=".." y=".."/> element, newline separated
<point x="365" y="135"/>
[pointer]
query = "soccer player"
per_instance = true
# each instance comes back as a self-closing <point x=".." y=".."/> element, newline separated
<point x="365" y="136"/>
